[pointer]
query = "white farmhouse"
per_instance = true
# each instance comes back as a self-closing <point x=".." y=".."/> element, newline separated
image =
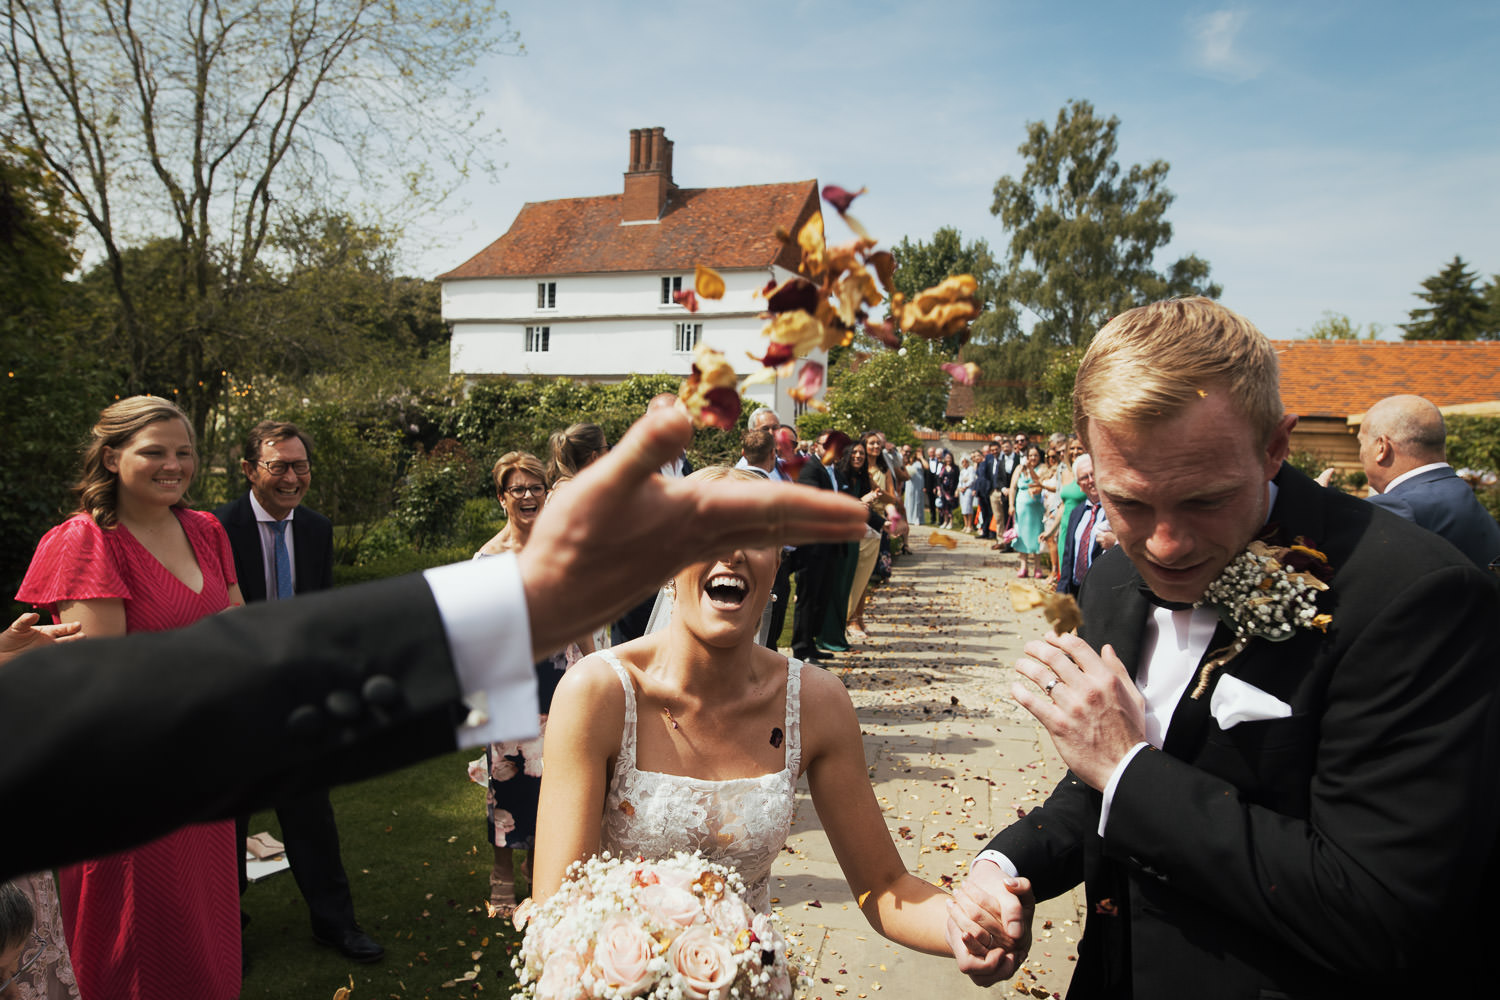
<point x="582" y="287"/>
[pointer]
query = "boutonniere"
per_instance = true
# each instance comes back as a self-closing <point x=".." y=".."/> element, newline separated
<point x="1266" y="592"/>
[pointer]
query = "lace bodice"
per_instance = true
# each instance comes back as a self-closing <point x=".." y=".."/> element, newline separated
<point x="741" y="822"/>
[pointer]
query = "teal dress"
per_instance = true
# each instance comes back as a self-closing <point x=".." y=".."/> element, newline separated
<point x="1030" y="510"/>
<point x="1071" y="495"/>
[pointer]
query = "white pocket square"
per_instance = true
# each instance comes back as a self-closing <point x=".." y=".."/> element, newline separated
<point x="1234" y="702"/>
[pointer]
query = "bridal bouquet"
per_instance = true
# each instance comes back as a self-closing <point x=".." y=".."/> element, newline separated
<point x="677" y="929"/>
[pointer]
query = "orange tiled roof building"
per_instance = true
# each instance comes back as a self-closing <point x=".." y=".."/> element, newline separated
<point x="1329" y="384"/>
<point x="583" y="287"/>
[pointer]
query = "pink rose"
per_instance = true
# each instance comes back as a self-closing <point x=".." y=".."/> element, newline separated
<point x="623" y="955"/>
<point x="704" y="960"/>
<point x="562" y="977"/>
<point x="670" y="905"/>
<point x="503" y="769"/>
<point x="728" y="915"/>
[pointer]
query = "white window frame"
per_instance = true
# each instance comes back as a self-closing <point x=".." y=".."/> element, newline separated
<point x="689" y="334"/>
<point x="670" y="284"/>
<point x="538" y="339"/>
<point x="546" y="295"/>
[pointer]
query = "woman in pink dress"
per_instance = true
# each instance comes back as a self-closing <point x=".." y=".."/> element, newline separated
<point x="161" y="920"/>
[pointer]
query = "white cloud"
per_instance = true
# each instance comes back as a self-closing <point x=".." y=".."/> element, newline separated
<point x="1216" y="48"/>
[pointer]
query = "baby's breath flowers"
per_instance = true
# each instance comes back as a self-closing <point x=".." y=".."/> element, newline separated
<point x="1266" y="592"/>
<point x="676" y="929"/>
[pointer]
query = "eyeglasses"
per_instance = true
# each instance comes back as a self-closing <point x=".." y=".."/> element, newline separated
<point x="301" y="468"/>
<point x="26" y="963"/>
<point x="522" y="492"/>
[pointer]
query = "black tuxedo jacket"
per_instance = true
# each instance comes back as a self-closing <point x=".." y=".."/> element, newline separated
<point x="1440" y="501"/>
<point x="322" y="690"/>
<point x="312" y="545"/>
<point x="1330" y="853"/>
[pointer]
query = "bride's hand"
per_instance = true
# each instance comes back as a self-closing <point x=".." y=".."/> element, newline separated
<point x="989" y="924"/>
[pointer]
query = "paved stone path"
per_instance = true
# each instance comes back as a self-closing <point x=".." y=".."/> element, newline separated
<point x="952" y="759"/>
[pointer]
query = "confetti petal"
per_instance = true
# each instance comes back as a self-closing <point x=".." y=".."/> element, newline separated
<point x="809" y="382"/>
<point x="839" y="198"/>
<point x="721" y="408"/>
<point x="708" y="282"/>
<point x="794" y="294"/>
<point x="688" y="300"/>
<point x="963" y="374"/>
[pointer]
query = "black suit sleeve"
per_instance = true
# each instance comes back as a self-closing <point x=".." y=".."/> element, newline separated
<point x="320" y="690"/>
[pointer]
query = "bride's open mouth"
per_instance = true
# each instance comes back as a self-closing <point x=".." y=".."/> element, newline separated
<point x="727" y="591"/>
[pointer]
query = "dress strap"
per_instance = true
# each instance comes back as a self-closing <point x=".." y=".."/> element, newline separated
<point x="794" y="717"/>
<point x="627" y="736"/>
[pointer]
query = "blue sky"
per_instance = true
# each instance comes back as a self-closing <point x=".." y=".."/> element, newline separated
<point x="1324" y="156"/>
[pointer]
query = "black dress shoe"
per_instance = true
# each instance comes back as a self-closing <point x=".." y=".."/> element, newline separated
<point x="353" y="943"/>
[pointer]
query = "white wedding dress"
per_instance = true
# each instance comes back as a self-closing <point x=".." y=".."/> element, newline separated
<point x="741" y="822"/>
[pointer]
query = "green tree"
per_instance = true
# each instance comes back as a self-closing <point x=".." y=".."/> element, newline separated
<point x="1492" y="308"/>
<point x="890" y="391"/>
<point x="201" y="122"/>
<point x="1084" y="235"/>
<point x="1455" y="309"/>
<point x="1337" y="326"/>
<point x="50" y="393"/>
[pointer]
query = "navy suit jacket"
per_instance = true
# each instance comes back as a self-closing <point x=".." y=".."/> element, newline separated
<point x="1440" y="501"/>
<point x="312" y="544"/>
<point x="1321" y="854"/>
<point x="1065" y="582"/>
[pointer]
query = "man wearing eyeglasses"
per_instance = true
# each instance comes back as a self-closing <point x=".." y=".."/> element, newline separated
<point x="281" y="549"/>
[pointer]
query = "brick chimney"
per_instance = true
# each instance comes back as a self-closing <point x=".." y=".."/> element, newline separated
<point x="649" y="179"/>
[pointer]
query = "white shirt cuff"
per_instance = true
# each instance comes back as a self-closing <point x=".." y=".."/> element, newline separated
<point x="483" y="607"/>
<point x="990" y="854"/>
<point x="1114" y="781"/>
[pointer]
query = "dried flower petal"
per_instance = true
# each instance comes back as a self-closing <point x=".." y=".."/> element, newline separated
<point x="721" y="408"/>
<point x="794" y="293"/>
<point x="800" y="330"/>
<point x="708" y="282"/>
<point x="884" y="263"/>
<point x="814" y="248"/>
<point x="885" y="333"/>
<point x="688" y="300"/>
<point x="963" y="374"/>
<point x="839" y="198"/>
<point x="776" y="355"/>
<point x="809" y="382"/>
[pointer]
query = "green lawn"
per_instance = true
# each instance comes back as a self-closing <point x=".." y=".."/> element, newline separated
<point x="413" y="844"/>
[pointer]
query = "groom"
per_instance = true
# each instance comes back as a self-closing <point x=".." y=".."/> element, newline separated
<point x="1322" y="821"/>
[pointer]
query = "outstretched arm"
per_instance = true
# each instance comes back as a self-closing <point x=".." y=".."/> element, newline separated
<point x="582" y="737"/>
<point x="899" y="905"/>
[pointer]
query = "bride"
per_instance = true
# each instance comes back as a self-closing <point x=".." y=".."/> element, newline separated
<point x="694" y="738"/>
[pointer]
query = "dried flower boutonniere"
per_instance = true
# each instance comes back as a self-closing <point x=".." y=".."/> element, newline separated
<point x="1266" y="592"/>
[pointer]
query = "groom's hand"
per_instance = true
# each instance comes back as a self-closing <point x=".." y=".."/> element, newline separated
<point x="1087" y="702"/>
<point x="989" y="924"/>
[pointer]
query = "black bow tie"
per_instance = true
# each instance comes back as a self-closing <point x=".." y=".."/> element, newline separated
<point x="1169" y="605"/>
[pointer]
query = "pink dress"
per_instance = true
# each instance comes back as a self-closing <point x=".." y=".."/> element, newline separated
<point x="163" y="919"/>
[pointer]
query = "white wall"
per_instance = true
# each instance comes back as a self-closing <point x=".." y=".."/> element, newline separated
<point x="608" y="326"/>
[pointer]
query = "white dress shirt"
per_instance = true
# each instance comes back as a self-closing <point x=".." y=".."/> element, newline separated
<point x="263" y="522"/>
<point x="483" y="607"/>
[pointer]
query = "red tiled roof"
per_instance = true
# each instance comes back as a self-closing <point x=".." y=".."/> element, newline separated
<point x="718" y="227"/>
<point x="1338" y="378"/>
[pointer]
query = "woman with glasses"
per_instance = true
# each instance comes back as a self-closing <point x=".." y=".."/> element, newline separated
<point x="512" y="772"/>
<point x="162" y="919"/>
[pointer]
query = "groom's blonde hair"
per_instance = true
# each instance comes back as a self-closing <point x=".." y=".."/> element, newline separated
<point x="1146" y="364"/>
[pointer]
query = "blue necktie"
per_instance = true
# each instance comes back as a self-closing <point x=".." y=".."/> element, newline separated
<point x="283" y="562"/>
